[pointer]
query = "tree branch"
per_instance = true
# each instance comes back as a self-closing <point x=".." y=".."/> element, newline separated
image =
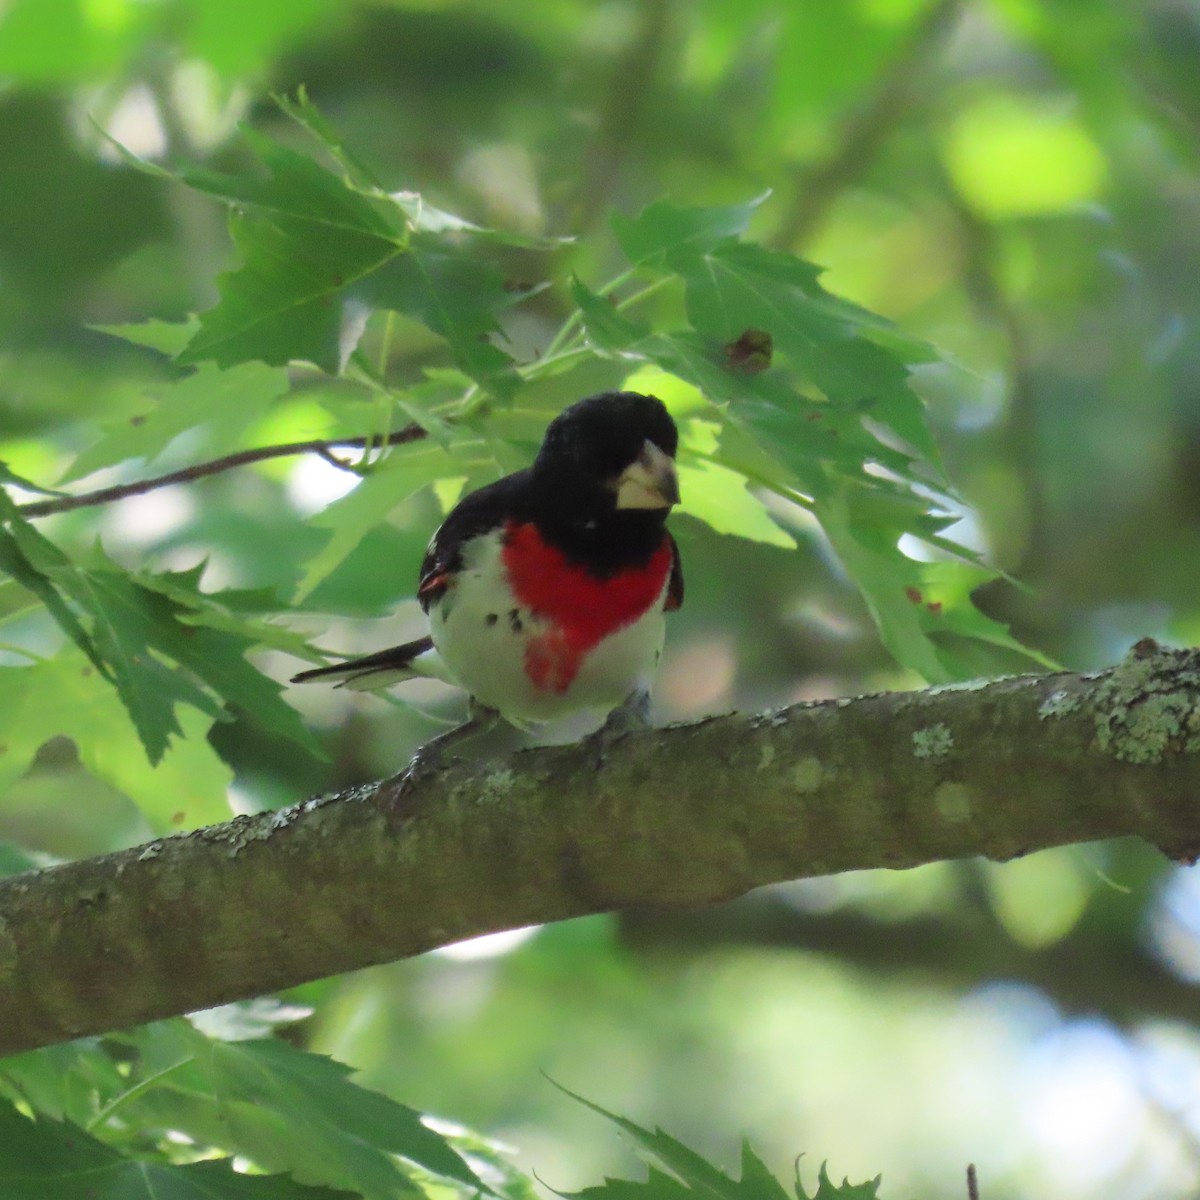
<point x="46" y="508"/>
<point x="867" y="127"/>
<point x="684" y="815"/>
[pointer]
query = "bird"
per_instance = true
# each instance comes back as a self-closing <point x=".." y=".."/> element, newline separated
<point x="546" y="590"/>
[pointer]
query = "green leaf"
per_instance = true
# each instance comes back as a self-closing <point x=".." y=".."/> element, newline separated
<point x="305" y="239"/>
<point x="317" y="1098"/>
<point x="915" y="605"/>
<point x="52" y="1160"/>
<point x="214" y="407"/>
<point x="133" y="624"/>
<point x="719" y="497"/>
<point x="64" y="1080"/>
<point x="887" y="578"/>
<point x="868" y="380"/>
<point x="734" y="286"/>
<point x="214" y="650"/>
<point x="289" y="300"/>
<point x="692" y="1169"/>
<point x="318" y="254"/>
<point x="606" y="328"/>
<point x="128" y="624"/>
<point x="946" y="608"/>
<point x="693" y="1176"/>
<point x="9" y="476"/>
<point x="661" y="227"/>
<point x="168" y="337"/>
<point x="657" y="1185"/>
<point x="225" y="611"/>
<point x="453" y="294"/>
<point x="67" y="696"/>
<point x="827" y="1190"/>
<point x="287" y="1109"/>
<point x="30" y="558"/>
<point x="349" y="519"/>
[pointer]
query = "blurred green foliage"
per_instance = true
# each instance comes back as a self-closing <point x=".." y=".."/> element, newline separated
<point x="1012" y="182"/>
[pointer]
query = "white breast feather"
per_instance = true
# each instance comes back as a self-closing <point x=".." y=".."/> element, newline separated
<point x="482" y="640"/>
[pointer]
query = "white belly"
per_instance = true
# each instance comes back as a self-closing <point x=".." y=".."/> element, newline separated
<point x="486" y="645"/>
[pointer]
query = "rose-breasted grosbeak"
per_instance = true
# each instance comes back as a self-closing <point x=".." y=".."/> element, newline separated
<point x="546" y="589"/>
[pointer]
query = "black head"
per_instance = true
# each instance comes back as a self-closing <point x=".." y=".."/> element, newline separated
<point x="605" y="473"/>
<point x="595" y="440"/>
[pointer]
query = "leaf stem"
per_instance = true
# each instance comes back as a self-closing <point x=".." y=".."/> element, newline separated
<point x="648" y="290"/>
<point x="137" y="1089"/>
<point x="572" y="322"/>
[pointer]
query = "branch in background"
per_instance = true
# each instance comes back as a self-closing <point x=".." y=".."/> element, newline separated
<point x="985" y="290"/>
<point x="680" y="816"/>
<point x="867" y="127"/>
<point x="1084" y="973"/>
<point x="46" y="508"/>
<point x="630" y="92"/>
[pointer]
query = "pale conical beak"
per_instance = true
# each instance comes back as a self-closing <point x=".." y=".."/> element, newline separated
<point x="650" y="481"/>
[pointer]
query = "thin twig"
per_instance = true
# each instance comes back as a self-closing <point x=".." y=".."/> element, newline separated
<point x="972" y="1183"/>
<point x="867" y="127"/>
<point x="46" y="508"/>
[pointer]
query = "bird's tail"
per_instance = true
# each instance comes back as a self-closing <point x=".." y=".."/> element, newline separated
<point x="413" y="660"/>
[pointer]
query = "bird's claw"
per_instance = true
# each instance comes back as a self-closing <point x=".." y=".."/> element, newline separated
<point x="628" y="717"/>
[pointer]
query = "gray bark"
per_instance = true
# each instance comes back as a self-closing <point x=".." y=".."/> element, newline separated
<point x="679" y="816"/>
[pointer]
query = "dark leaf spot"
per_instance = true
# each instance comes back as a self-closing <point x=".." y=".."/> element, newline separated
<point x="178" y="818"/>
<point x="935" y="607"/>
<point x="751" y="352"/>
<point x="139" y="420"/>
<point x="913" y="594"/>
<point x="491" y="618"/>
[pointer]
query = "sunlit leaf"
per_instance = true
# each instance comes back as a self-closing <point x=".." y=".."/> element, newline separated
<point x="216" y="407"/>
<point x="66" y="696"/>
<point x="7" y="475"/>
<point x="168" y="337"/>
<point x="662" y="226"/>
<point x="350" y="518"/>
<point x="719" y="497"/>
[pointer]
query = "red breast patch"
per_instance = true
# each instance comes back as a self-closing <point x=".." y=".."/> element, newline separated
<point x="582" y="610"/>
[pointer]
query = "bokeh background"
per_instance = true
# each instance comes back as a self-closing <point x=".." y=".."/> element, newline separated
<point x="1017" y="181"/>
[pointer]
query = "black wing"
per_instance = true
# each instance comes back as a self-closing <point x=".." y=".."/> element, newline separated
<point x="482" y="511"/>
<point x="675" y="585"/>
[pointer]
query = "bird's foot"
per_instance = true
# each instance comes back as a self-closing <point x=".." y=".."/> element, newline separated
<point x="632" y="714"/>
<point x="434" y="755"/>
